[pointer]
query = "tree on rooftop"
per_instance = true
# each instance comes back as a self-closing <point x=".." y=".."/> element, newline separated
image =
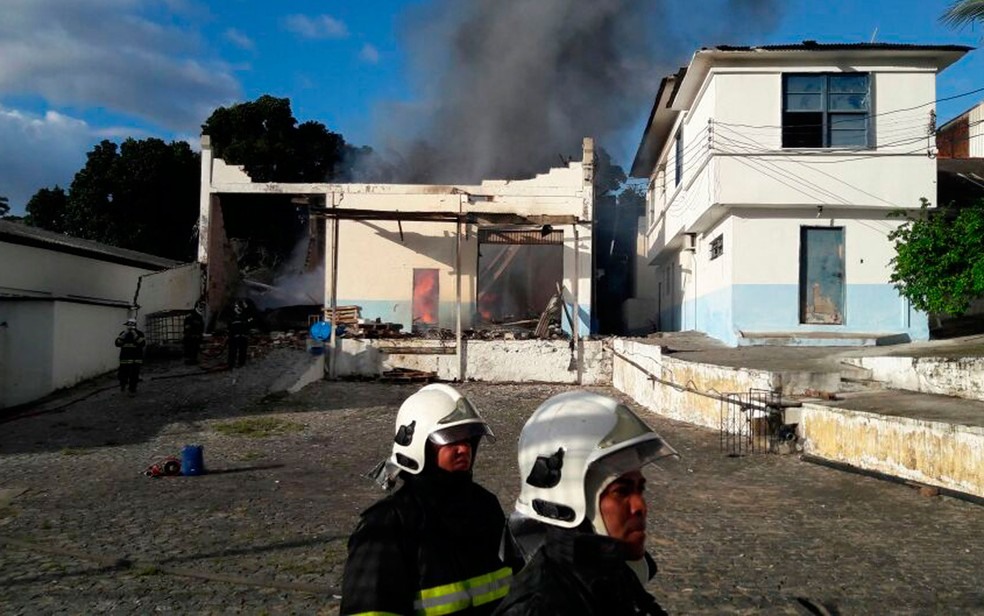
<point x="265" y="138"/>
<point x="963" y="12"/>
<point x="939" y="261"/>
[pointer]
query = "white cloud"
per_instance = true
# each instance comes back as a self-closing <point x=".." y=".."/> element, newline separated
<point x="40" y="151"/>
<point x="105" y="53"/>
<point x="369" y="54"/>
<point x="239" y="39"/>
<point x="319" y="27"/>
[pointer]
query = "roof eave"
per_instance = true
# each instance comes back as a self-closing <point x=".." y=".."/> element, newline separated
<point x="658" y="126"/>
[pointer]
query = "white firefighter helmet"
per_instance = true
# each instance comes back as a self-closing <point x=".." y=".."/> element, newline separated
<point x="437" y="413"/>
<point x="573" y="446"/>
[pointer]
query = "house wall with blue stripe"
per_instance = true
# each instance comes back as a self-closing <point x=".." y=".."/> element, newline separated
<point x="754" y="287"/>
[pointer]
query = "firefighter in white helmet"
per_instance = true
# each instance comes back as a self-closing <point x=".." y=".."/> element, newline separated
<point x="580" y="517"/>
<point x="431" y="547"/>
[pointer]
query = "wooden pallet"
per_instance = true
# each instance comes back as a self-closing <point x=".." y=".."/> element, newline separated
<point x="347" y="315"/>
<point x="405" y="375"/>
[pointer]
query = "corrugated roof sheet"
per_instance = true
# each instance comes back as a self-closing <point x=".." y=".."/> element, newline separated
<point x="815" y="46"/>
<point x="18" y="233"/>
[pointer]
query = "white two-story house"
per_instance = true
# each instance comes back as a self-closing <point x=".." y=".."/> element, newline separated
<point x="771" y="174"/>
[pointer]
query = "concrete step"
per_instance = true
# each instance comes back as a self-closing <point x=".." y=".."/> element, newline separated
<point x="852" y="385"/>
<point x="819" y="339"/>
<point x="853" y="371"/>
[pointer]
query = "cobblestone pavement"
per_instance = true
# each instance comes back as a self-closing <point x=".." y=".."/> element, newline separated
<point x="264" y="531"/>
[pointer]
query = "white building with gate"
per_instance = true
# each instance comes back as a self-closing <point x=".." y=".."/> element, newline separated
<point x="772" y="171"/>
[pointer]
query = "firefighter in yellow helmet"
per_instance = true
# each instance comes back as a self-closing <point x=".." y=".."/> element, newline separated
<point x="431" y="547"/>
<point x="580" y="518"/>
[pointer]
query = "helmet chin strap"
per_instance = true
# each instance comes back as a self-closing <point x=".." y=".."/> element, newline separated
<point x="592" y="513"/>
<point x="592" y="510"/>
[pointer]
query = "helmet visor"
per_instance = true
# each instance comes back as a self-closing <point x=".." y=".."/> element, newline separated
<point x="461" y="432"/>
<point x="633" y="457"/>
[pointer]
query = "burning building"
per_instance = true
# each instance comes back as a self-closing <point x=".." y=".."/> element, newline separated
<point x="449" y="257"/>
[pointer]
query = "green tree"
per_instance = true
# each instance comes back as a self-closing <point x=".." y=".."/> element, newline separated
<point x="47" y="208"/>
<point x="265" y="138"/>
<point x="939" y="261"/>
<point x="141" y="195"/>
<point x="4" y="207"/>
<point x="963" y="12"/>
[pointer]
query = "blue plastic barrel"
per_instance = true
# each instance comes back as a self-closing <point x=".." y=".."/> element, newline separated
<point x="192" y="460"/>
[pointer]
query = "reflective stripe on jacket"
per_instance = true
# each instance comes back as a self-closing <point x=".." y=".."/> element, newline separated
<point x="457" y="596"/>
<point x="430" y="548"/>
<point x="131" y="344"/>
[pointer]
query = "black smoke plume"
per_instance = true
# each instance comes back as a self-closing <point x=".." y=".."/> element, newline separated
<point x="506" y="88"/>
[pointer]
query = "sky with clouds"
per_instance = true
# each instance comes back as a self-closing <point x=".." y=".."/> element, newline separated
<point x="73" y="72"/>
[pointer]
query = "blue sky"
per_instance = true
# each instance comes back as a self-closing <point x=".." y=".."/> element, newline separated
<point x="74" y="72"/>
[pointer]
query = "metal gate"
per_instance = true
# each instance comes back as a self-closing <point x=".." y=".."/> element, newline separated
<point x="750" y="422"/>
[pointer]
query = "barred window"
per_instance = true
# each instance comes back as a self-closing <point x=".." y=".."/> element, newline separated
<point x="717" y="247"/>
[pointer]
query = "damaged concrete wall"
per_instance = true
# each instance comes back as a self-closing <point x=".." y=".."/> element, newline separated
<point x="377" y="263"/>
<point x="543" y="361"/>
<point x="222" y="271"/>
<point x="563" y="196"/>
<point x="935" y="453"/>
<point x="177" y="288"/>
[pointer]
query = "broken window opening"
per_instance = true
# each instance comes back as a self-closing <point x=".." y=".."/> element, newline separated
<point x="518" y="274"/>
<point x="426" y="299"/>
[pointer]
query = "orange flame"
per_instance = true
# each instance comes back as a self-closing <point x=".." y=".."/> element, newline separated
<point x="425" y="296"/>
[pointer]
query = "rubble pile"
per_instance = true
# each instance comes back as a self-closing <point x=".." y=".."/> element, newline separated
<point x="260" y="344"/>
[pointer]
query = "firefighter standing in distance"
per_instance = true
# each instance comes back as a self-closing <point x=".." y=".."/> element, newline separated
<point x="194" y="330"/>
<point x="432" y="547"/>
<point x="238" y="335"/>
<point x="131" y="343"/>
<point x="581" y="512"/>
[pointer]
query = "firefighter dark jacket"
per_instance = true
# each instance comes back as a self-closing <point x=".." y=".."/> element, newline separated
<point x="131" y="343"/>
<point x="577" y="572"/>
<point x="432" y="547"/>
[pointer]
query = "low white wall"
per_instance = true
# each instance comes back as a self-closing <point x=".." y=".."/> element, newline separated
<point x="545" y="361"/>
<point x="25" y="351"/>
<point x="84" y="337"/>
<point x="686" y="391"/>
<point x="963" y="377"/>
<point x="934" y="453"/>
<point x="50" y="345"/>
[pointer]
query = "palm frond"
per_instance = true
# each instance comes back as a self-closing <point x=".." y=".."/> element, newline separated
<point x="963" y="12"/>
